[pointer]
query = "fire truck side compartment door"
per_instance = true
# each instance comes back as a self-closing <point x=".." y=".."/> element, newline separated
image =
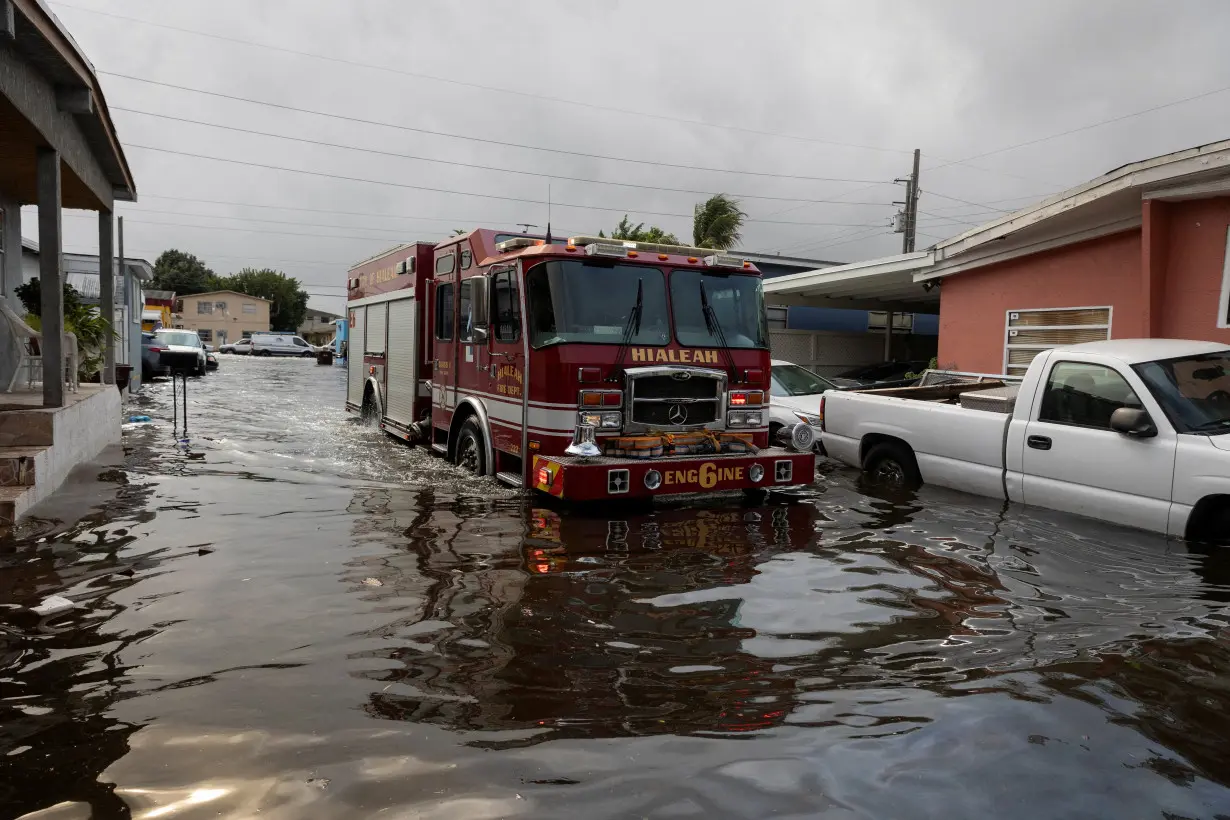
<point x="401" y="362"/>
<point x="356" y="370"/>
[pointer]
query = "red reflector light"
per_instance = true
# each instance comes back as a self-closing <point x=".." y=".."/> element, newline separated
<point x="590" y="374"/>
<point x="155" y="350"/>
<point x="612" y="399"/>
<point x="754" y="376"/>
<point x="822" y="412"/>
<point x="738" y="399"/>
<point x="544" y="476"/>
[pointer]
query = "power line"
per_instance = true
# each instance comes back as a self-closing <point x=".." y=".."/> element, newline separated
<point x="463" y="83"/>
<point x="485" y="140"/>
<point x="1088" y="127"/>
<point x="454" y="221"/>
<point x="459" y="193"/>
<point x="482" y="167"/>
<point x="967" y="202"/>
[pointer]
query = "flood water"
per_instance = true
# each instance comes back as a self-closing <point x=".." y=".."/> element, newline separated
<point x="295" y="617"/>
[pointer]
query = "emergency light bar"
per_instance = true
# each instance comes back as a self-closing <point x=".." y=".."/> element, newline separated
<point x="517" y="243"/>
<point x="721" y="260"/>
<point x="601" y="246"/>
<point x="605" y="249"/>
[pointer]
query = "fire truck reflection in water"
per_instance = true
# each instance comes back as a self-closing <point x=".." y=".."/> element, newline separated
<point x="575" y="646"/>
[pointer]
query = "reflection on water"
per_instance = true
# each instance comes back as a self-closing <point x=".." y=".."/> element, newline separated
<point x="313" y="621"/>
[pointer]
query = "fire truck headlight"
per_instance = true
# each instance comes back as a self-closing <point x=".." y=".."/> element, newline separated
<point x="755" y="473"/>
<point x="743" y="418"/>
<point x="609" y="420"/>
<point x="653" y="480"/>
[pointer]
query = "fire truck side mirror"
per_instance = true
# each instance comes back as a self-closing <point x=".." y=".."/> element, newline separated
<point x="480" y="307"/>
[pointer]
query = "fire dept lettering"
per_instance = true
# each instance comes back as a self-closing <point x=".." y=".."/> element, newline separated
<point x="707" y="475"/>
<point x="672" y="356"/>
<point x="508" y="373"/>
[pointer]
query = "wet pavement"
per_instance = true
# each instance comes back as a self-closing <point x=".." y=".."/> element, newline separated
<point x="294" y="617"/>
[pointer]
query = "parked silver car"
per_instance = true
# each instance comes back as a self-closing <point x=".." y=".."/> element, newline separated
<point x="182" y="351"/>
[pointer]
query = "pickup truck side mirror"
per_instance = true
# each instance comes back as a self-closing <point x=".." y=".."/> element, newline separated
<point x="1132" y="421"/>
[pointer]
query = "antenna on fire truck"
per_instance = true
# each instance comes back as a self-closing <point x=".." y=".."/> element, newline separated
<point x="548" y="238"/>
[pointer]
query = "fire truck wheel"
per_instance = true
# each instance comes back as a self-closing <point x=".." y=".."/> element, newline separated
<point x="470" y="448"/>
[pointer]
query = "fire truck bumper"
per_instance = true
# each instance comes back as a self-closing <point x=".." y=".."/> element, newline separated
<point x="590" y="479"/>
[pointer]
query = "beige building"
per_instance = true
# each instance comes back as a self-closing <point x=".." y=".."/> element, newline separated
<point x="223" y="316"/>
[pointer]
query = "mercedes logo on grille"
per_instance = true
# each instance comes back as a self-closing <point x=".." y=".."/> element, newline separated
<point x="678" y="414"/>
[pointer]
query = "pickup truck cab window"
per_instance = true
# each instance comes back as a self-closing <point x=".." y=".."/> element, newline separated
<point x="1194" y="391"/>
<point x="1084" y="395"/>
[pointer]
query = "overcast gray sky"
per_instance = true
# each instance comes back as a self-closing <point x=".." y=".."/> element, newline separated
<point x="837" y="90"/>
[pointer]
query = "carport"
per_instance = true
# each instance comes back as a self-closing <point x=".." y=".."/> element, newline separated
<point x="58" y="149"/>
<point x="885" y="284"/>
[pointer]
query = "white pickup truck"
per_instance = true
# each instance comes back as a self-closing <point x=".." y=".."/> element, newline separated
<point x="1135" y="431"/>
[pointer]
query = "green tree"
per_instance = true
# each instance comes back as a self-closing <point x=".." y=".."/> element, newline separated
<point x="289" y="299"/>
<point x="183" y="273"/>
<point x="638" y="233"/>
<point x="718" y="223"/>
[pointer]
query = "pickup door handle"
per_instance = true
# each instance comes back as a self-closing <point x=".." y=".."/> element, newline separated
<point x="1039" y="442"/>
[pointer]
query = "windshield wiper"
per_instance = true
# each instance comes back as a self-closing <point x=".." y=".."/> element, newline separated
<point x="715" y="329"/>
<point x="631" y="328"/>
<point x="1215" y="424"/>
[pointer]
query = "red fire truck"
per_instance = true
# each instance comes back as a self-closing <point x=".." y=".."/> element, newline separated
<point x="586" y="369"/>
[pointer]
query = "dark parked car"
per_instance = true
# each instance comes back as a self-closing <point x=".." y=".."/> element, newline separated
<point x="882" y="372"/>
<point x="151" y="358"/>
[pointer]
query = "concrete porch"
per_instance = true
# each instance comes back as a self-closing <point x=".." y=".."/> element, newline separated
<point x="40" y="445"/>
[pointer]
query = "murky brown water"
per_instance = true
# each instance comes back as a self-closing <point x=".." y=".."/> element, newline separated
<point x="311" y="621"/>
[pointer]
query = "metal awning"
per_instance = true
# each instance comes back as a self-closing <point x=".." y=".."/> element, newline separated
<point x="876" y="284"/>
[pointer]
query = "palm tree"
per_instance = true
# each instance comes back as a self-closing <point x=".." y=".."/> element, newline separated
<point x="717" y="223"/>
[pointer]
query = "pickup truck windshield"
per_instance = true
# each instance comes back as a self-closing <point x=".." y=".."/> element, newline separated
<point x="737" y="302"/>
<point x="591" y="302"/>
<point x="1194" y="391"/>
<point x="792" y="380"/>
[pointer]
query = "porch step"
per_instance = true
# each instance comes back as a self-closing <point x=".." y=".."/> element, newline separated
<point x="27" y="428"/>
<point x="13" y="502"/>
<point x="511" y="479"/>
<point x="19" y="466"/>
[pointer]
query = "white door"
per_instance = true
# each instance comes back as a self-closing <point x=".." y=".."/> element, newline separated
<point x="1073" y="461"/>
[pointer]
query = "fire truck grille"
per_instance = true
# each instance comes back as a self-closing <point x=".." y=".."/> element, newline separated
<point x="666" y="413"/>
<point x="668" y="387"/>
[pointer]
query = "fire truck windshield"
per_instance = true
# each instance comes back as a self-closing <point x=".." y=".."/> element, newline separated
<point x="575" y="301"/>
<point x="737" y="302"/>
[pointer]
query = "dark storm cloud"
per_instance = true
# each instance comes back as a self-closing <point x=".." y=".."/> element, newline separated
<point x="956" y="79"/>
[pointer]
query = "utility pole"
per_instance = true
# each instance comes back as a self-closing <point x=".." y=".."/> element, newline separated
<point x="907" y="220"/>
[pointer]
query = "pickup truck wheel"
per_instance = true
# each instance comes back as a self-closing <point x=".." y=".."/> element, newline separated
<point x="469" y="455"/>
<point x="892" y="464"/>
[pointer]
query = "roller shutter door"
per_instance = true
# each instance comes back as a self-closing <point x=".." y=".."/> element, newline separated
<point x="402" y="361"/>
<point x="355" y="369"/>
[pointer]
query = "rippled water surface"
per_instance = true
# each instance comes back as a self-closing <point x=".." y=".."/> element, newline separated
<point x="294" y="617"/>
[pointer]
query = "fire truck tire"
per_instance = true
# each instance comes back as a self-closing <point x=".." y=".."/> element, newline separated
<point x="469" y="452"/>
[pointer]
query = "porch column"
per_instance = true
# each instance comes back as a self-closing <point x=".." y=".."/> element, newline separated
<point x="50" y="273"/>
<point x="888" y="335"/>
<point x="106" y="292"/>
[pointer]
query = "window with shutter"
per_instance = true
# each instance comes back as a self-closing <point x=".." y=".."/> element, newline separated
<point x="1029" y="332"/>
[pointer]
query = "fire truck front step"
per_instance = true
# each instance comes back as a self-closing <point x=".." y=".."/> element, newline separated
<point x="511" y="479"/>
<point x="439" y="449"/>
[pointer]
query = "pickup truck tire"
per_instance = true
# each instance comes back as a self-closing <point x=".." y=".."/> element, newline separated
<point x="469" y="453"/>
<point x="892" y="464"/>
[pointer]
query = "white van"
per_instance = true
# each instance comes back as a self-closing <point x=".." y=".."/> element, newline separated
<point x="280" y="344"/>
